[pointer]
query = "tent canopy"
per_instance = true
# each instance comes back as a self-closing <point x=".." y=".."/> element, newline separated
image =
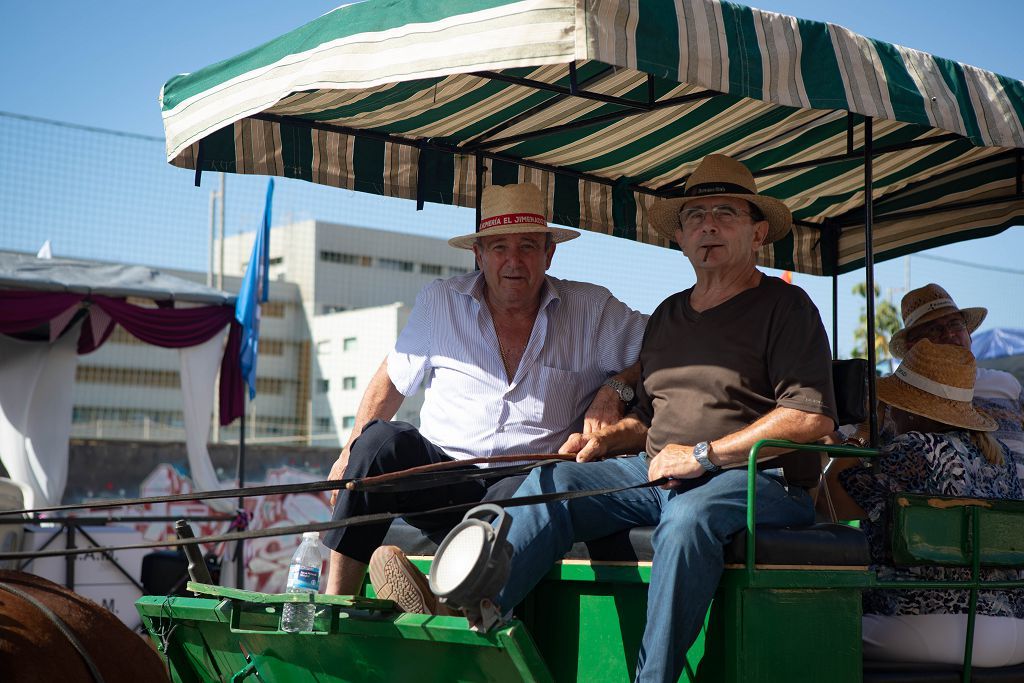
<point x="25" y="272"/>
<point x="610" y="104"/>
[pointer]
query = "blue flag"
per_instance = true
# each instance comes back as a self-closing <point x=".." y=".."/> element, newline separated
<point x="255" y="286"/>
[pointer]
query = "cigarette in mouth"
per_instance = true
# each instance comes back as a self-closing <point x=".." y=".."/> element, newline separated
<point x="707" y="251"/>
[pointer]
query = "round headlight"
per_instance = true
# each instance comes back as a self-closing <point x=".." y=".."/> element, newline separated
<point x="472" y="564"/>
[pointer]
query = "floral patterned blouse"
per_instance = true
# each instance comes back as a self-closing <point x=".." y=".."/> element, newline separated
<point x="945" y="464"/>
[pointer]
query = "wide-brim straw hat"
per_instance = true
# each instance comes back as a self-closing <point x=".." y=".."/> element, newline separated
<point x="936" y="381"/>
<point x="924" y="304"/>
<point x="512" y="210"/>
<point x="720" y="176"/>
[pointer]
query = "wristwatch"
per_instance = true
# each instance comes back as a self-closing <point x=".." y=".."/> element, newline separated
<point x="700" y="453"/>
<point x="624" y="391"/>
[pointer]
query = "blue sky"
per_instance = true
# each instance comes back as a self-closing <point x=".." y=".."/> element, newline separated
<point x="102" y="64"/>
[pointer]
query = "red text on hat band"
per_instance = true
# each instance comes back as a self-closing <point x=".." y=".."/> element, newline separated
<point x="513" y="219"/>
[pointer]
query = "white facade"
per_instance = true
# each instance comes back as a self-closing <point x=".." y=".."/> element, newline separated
<point x="349" y="348"/>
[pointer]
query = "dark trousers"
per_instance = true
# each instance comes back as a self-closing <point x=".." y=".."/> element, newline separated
<point x="385" y="447"/>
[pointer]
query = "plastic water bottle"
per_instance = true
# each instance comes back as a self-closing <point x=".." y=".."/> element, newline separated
<point x="303" y="577"/>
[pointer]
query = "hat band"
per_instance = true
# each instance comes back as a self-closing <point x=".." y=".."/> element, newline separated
<point x="934" y="388"/>
<point x="927" y="308"/>
<point x="513" y="219"/>
<point x="704" y="189"/>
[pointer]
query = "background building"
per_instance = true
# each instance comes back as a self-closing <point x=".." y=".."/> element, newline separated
<point x="339" y="296"/>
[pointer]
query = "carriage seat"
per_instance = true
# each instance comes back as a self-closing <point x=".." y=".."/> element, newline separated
<point x="816" y="545"/>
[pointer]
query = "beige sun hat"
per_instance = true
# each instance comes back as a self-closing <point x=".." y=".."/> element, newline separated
<point x="512" y="210"/>
<point x="936" y="381"/>
<point x="720" y="176"/>
<point x="925" y="304"/>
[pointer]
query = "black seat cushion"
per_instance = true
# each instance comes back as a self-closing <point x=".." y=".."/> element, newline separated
<point x="904" y="672"/>
<point x="820" y="544"/>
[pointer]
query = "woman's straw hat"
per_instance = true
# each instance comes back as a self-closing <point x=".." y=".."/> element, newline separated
<point x="720" y="176"/>
<point x="924" y="304"/>
<point x="512" y="210"/>
<point x="936" y="381"/>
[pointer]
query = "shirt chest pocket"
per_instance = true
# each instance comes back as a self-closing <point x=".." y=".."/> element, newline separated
<point x="556" y="398"/>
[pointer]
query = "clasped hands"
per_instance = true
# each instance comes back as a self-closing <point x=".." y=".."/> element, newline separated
<point x="675" y="461"/>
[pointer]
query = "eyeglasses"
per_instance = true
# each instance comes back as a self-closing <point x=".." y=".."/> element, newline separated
<point x="723" y="215"/>
<point x="936" y="331"/>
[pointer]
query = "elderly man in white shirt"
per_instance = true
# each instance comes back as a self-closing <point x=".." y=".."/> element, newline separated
<point x="514" y="360"/>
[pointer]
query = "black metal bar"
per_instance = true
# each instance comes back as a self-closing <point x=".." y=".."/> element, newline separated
<point x="1020" y="171"/>
<point x="574" y="86"/>
<point x="479" y="170"/>
<point x="420" y="175"/>
<point x="849" y="132"/>
<point x="131" y="519"/>
<point x="551" y="87"/>
<point x="835" y="315"/>
<point x="666" y="189"/>
<point x="651" y="97"/>
<point x="69" y="561"/>
<point x="851" y="156"/>
<point x="869" y="276"/>
<point x="199" y="163"/>
<point x="432" y="144"/>
<point x="591" y="121"/>
<point x="472" y="142"/>
<point x="240" y="548"/>
<point x="917" y="213"/>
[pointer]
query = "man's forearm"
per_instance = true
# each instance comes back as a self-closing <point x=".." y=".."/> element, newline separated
<point x="782" y="423"/>
<point x="380" y="401"/>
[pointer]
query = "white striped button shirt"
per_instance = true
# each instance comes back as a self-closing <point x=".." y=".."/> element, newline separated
<point x="582" y="336"/>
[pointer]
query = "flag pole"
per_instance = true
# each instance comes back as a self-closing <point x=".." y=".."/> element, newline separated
<point x="240" y="549"/>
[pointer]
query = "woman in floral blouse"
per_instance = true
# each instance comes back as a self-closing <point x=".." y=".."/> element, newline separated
<point x="943" y="445"/>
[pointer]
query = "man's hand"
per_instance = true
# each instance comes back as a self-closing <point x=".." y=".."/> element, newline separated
<point x="338" y="472"/>
<point x="606" y="409"/>
<point x="587" y="447"/>
<point x="674" y="461"/>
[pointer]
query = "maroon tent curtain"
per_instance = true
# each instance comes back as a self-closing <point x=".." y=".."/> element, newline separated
<point x="21" y="311"/>
<point x="166" y="327"/>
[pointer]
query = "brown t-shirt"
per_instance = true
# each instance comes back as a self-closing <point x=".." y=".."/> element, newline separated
<point x="709" y="374"/>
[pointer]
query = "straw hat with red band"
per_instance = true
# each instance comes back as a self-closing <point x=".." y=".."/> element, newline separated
<point x="720" y="176"/>
<point x="512" y="210"/>
<point x="925" y="304"/>
<point x="936" y="381"/>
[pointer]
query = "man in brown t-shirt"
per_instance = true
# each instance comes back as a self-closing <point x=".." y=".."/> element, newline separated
<point x="737" y="358"/>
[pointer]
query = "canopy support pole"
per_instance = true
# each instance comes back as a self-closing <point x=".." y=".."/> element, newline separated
<point x="869" y="277"/>
<point x="835" y="315"/>
<point x="240" y="548"/>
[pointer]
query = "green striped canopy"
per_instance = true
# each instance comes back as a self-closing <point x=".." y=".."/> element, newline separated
<point x="608" y="105"/>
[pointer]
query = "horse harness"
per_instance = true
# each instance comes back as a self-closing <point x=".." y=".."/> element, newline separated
<point x="61" y="626"/>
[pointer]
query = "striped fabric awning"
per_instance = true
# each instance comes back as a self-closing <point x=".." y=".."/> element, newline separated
<point x="610" y="104"/>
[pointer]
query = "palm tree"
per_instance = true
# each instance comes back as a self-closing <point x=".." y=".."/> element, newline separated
<point x="887" y="322"/>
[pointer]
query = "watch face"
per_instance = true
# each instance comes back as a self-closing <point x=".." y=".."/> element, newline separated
<point x="627" y="394"/>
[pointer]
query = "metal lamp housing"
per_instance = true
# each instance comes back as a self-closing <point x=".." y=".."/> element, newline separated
<point x="473" y="561"/>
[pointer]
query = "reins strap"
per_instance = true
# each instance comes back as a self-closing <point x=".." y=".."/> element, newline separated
<point x="61" y="626"/>
<point x="341" y="523"/>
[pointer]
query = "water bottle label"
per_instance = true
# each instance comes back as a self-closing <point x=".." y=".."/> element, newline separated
<point x="306" y="578"/>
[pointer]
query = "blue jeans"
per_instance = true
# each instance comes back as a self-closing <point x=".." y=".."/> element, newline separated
<point x="693" y="523"/>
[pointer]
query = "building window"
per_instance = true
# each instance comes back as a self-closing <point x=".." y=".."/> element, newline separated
<point x="348" y="383"/>
<point x="323" y="347"/>
<point x="323" y="424"/>
<point x="272" y="309"/>
<point x="455" y="270"/>
<point x="276" y="261"/>
<point x="323" y="385"/>
<point x="349" y="344"/>
<point x="347" y="259"/>
<point x="334" y="308"/>
<point x="431" y="269"/>
<point x="348" y="422"/>
<point x="271" y="347"/>
<point x="395" y="264"/>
